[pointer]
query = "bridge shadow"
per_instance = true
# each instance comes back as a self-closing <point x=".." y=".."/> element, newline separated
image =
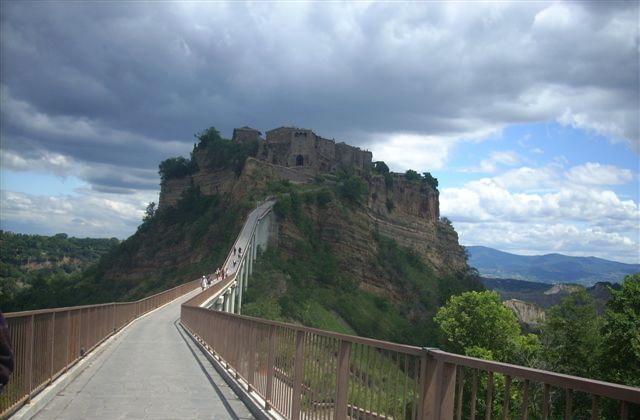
<point x="216" y="388"/>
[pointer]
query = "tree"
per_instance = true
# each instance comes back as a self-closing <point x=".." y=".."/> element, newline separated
<point x="621" y="334"/>
<point x="176" y="167"/>
<point x="431" y="180"/>
<point x="149" y="212"/>
<point x="477" y="323"/>
<point x="381" y="167"/>
<point x="351" y="187"/>
<point x="207" y="137"/>
<point x="571" y="336"/>
<point x="412" y="175"/>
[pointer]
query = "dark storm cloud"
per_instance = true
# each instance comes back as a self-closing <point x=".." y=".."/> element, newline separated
<point x="123" y="86"/>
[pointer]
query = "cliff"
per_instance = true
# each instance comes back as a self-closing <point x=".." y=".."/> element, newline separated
<point x="406" y="211"/>
<point x="359" y="247"/>
<point x="527" y="313"/>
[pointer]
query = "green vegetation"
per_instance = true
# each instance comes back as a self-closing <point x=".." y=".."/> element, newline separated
<point x="579" y="342"/>
<point x="223" y="153"/>
<point x="198" y="228"/>
<point x="575" y="340"/>
<point x="220" y="153"/>
<point x="176" y="167"/>
<point x="620" y="352"/>
<point x="351" y="187"/>
<point x="478" y="324"/>
<point x="29" y="262"/>
<point x="426" y="178"/>
<point x="412" y="175"/>
<point x="178" y="244"/>
<point x="571" y="336"/>
<point x="382" y="169"/>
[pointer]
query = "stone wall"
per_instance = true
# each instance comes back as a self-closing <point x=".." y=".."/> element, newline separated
<point x="291" y="147"/>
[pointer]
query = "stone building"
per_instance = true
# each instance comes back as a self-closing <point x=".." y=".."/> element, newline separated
<point x="244" y="134"/>
<point x="302" y="149"/>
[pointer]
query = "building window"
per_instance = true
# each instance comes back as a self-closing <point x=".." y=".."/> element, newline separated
<point x="299" y="160"/>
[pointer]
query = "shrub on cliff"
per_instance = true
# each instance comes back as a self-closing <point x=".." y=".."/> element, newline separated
<point x="222" y="153"/>
<point x="412" y="175"/>
<point x="430" y="180"/>
<point x="176" y="167"/>
<point x="382" y="168"/>
<point x="426" y="178"/>
<point x="351" y="187"/>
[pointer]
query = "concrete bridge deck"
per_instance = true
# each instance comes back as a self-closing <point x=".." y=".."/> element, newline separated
<point x="151" y="370"/>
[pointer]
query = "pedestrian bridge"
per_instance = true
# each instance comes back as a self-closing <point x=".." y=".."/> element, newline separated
<point x="188" y="353"/>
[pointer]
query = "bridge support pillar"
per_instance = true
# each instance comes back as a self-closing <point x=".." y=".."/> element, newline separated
<point x="250" y="255"/>
<point x="226" y="302"/>
<point x="232" y="304"/>
<point x="245" y="273"/>
<point x="239" y="292"/>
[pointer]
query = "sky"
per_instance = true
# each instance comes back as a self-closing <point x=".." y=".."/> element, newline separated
<point x="526" y="112"/>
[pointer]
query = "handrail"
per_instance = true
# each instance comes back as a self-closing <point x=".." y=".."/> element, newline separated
<point x="300" y="372"/>
<point x="576" y="383"/>
<point x="215" y="290"/>
<point x="47" y="342"/>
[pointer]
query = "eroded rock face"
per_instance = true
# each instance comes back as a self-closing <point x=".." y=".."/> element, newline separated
<point x="406" y="211"/>
<point x="527" y="313"/>
<point x="412" y="198"/>
<point x="351" y="237"/>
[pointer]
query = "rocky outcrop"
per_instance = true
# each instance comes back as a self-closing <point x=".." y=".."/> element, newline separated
<point x="405" y="210"/>
<point x="403" y="198"/>
<point x="563" y="289"/>
<point x="527" y="313"/>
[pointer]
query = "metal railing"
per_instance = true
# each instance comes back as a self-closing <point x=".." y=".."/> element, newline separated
<point x="247" y="241"/>
<point x="302" y="372"/>
<point x="308" y="373"/>
<point x="47" y="342"/>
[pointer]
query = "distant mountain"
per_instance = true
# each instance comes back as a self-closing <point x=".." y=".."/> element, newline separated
<point x="549" y="268"/>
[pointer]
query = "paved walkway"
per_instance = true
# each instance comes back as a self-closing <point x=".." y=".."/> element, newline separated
<point x="152" y="370"/>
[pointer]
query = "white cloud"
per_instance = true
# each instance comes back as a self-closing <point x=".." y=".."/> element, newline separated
<point x="409" y="151"/>
<point x="402" y="151"/>
<point x="496" y="160"/>
<point x="575" y="204"/>
<point x="87" y="214"/>
<point x="592" y="173"/>
<point x="548" y="209"/>
<point x="46" y="162"/>
<point x="555" y="16"/>
<point x="543" y="238"/>
<point x="107" y="96"/>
